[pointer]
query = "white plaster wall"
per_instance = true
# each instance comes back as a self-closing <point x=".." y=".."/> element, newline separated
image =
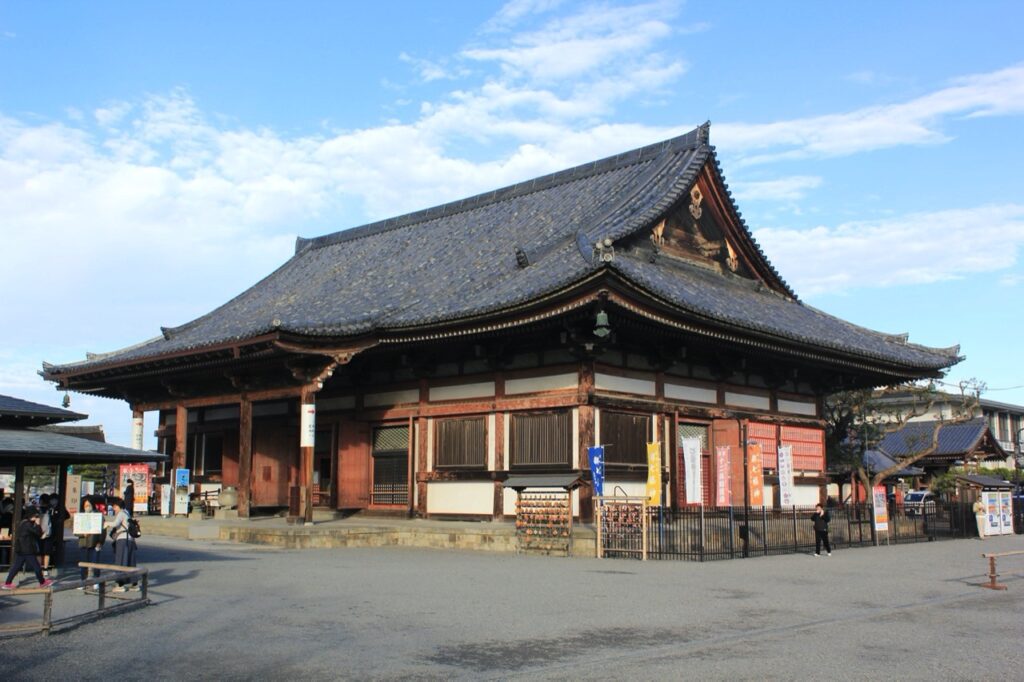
<point x="695" y="394"/>
<point x="483" y="389"/>
<point x="411" y="395"/>
<point x="756" y="402"/>
<point x="508" y="439"/>
<point x="579" y="459"/>
<point x="769" y="496"/>
<point x="610" y="382"/>
<point x="345" y="402"/>
<point x="629" y="488"/>
<point x="460" y="497"/>
<point x="798" y="407"/>
<point x="552" y="382"/>
<point x="509" y="500"/>
<point x="805" y="495"/>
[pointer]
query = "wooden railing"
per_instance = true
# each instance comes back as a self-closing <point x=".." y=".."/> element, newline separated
<point x="108" y="573"/>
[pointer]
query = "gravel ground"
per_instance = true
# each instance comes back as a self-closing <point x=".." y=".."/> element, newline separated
<point x="224" y="611"/>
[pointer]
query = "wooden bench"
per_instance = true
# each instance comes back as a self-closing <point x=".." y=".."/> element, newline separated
<point x="992" y="575"/>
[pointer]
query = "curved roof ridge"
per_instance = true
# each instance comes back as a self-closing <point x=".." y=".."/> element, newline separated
<point x="692" y="139"/>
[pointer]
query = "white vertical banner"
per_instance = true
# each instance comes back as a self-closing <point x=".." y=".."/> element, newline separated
<point x="786" y="498"/>
<point x="137" y="431"/>
<point x="307" y="426"/>
<point x="165" y="500"/>
<point x="691" y="460"/>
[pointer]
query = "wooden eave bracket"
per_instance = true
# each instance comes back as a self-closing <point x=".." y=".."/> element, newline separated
<point x="336" y="357"/>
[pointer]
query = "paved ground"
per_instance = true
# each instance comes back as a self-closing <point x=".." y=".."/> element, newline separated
<point x="224" y="611"/>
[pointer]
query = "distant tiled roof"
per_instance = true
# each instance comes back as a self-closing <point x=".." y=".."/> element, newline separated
<point x="88" y="431"/>
<point x="985" y="481"/>
<point x="33" y="446"/>
<point x="876" y="460"/>
<point x="509" y="247"/>
<point x="956" y="441"/>
<point x="15" y="411"/>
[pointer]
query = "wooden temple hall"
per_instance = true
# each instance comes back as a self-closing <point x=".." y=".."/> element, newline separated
<point x="414" y="364"/>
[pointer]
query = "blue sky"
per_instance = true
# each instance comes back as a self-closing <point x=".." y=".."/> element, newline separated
<point x="158" y="158"/>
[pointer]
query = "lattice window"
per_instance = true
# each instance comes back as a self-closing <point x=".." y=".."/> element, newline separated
<point x="390" y="465"/>
<point x="808" y="447"/>
<point x="625" y="437"/>
<point x="767" y="436"/>
<point x="541" y="439"/>
<point x="460" y="443"/>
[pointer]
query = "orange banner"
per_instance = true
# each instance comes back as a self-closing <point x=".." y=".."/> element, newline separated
<point x="755" y="474"/>
<point x="654" y="474"/>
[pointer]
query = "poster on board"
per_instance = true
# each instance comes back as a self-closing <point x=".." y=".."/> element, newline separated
<point x="139" y="475"/>
<point x="90" y="523"/>
<point x="881" y="508"/>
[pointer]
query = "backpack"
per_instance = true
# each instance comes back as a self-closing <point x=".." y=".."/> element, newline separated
<point x="134" y="530"/>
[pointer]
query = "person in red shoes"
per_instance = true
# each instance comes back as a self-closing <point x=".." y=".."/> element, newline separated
<point x="26" y="546"/>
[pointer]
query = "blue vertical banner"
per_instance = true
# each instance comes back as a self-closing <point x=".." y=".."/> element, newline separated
<point x="596" y="455"/>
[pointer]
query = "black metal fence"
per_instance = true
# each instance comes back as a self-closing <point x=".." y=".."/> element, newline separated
<point x="712" y="533"/>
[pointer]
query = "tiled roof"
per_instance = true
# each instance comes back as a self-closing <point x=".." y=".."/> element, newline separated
<point x="956" y="440"/>
<point x="876" y="460"/>
<point x="497" y="250"/>
<point x="26" y="413"/>
<point x="31" y="446"/>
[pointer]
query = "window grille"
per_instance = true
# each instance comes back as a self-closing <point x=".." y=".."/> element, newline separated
<point x="391" y="465"/>
<point x="541" y="439"/>
<point x="625" y="437"/>
<point x="460" y="443"/>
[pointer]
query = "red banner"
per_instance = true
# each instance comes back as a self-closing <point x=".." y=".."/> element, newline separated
<point x="755" y="474"/>
<point x="723" y="494"/>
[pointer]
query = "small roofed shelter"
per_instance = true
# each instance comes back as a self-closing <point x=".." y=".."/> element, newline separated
<point x="26" y="439"/>
<point x="414" y="364"/>
<point x="968" y="443"/>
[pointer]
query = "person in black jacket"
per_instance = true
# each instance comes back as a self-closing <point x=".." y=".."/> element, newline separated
<point x="26" y="545"/>
<point x="821" y="519"/>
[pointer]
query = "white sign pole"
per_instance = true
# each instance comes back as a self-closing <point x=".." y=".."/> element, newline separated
<point x="138" y="424"/>
<point x="307" y="426"/>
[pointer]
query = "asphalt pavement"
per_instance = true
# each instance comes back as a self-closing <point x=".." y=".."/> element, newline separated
<point x="225" y="611"/>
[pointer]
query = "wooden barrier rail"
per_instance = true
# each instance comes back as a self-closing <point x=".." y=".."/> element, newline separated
<point x="113" y="573"/>
<point x="992" y="575"/>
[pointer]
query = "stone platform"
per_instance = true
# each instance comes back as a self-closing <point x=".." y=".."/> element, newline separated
<point x="356" y="531"/>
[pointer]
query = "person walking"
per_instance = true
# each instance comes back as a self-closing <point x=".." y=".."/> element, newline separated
<point x="821" y="520"/>
<point x="91" y="543"/>
<point x="26" y="546"/>
<point x="129" y="497"/>
<point x="124" y="544"/>
<point x="979" y="516"/>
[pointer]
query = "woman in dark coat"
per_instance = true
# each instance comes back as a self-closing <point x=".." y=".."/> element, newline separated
<point x="821" y="519"/>
<point x="90" y="544"/>
<point x="26" y="546"/>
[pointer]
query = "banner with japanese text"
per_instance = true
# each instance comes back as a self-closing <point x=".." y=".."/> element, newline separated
<point x="691" y="462"/>
<point x="881" y="508"/>
<point x="755" y="474"/>
<point x="786" y="498"/>
<point x="596" y="456"/>
<point x="723" y="491"/>
<point x="654" y="474"/>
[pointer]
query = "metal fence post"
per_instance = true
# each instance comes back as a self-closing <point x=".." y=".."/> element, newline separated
<point x="796" y="532"/>
<point x="764" y="528"/>
<point x="732" y="532"/>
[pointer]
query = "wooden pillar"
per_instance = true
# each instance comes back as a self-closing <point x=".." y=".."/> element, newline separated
<point x="307" y="435"/>
<point x="421" y="455"/>
<point x="180" y="438"/>
<point x="586" y="436"/>
<point x="58" y="529"/>
<point x="498" y="513"/>
<point x="244" y="457"/>
<point x="19" y="501"/>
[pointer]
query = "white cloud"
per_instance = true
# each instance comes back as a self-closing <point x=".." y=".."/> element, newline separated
<point x="515" y="10"/>
<point x="918" y="248"/>
<point x="788" y="188"/>
<point x="914" y="122"/>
